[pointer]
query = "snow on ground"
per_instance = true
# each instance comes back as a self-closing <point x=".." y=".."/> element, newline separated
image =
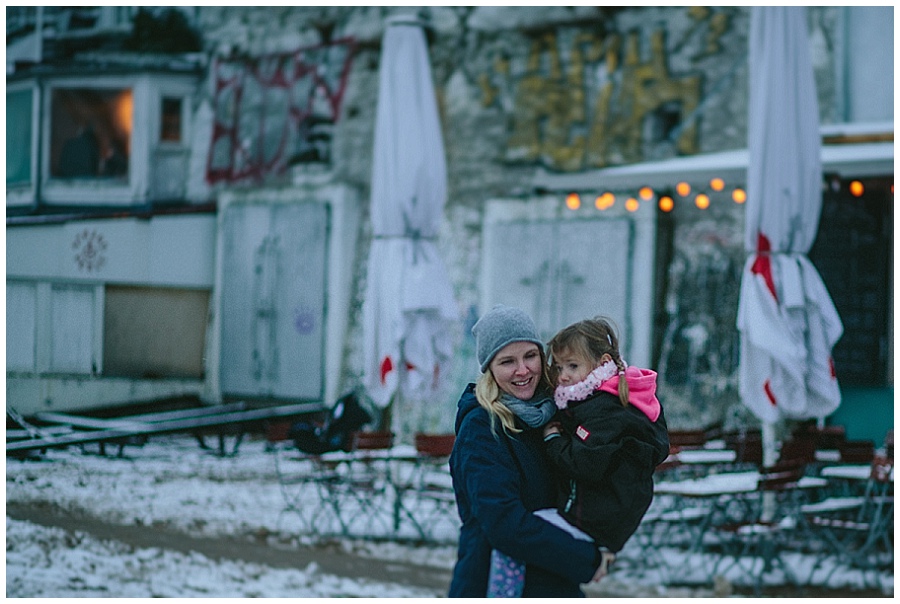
<point x="44" y="562"/>
<point x="170" y="482"/>
<point x="173" y="483"/>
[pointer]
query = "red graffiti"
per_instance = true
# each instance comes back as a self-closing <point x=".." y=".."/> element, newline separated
<point x="267" y="109"/>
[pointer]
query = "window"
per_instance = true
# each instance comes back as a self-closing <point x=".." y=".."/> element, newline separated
<point x="852" y="252"/>
<point x="90" y="133"/>
<point x="18" y="137"/>
<point x="138" y="325"/>
<point x="170" y="130"/>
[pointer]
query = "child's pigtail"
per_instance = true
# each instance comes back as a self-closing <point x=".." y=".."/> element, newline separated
<point x="623" y="384"/>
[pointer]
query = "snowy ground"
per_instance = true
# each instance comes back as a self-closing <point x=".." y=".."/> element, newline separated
<point x="172" y="483"/>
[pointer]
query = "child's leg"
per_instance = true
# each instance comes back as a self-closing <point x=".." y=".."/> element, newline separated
<point x="553" y="517"/>
<point x="506" y="578"/>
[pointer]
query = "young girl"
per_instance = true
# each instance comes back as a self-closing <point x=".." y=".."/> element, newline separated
<point x="607" y="438"/>
<point x="500" y="473"/>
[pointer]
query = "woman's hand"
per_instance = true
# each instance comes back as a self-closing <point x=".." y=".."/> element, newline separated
<point x="552" y="428"/>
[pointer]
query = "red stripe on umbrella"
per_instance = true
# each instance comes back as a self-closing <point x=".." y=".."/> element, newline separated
<point x="763" y="264"/>
<point x="771" y="395"/>
<point x="387" y="366"/>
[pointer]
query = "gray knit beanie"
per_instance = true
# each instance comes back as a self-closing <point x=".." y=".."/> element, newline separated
<point x="498" y="327"/>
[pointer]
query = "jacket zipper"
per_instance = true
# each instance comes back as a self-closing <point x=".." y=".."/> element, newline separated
<point x="572" y="493"/>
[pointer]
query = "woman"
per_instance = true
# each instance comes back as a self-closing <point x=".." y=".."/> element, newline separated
<point x="500" y="474"/>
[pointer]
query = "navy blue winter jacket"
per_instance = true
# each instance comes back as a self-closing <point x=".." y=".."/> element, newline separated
<point x="496" y="497"/>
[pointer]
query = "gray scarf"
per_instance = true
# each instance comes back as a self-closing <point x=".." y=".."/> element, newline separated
<point x="535" y="413"/>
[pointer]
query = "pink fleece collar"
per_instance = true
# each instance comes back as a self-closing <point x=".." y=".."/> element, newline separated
<point x="641" y="388"/>
<point x="586" y="387"/>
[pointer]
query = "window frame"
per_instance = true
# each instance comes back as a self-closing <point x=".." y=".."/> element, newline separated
<point x="95" y="191"/>
<point x="148" y="90"/>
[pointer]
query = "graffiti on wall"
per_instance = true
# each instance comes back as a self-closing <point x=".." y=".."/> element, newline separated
<point x="277" y="110"/>
<point x="589" y="100"/>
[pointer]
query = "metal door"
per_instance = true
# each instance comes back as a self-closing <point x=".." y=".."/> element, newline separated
<point x="273" y="300"/>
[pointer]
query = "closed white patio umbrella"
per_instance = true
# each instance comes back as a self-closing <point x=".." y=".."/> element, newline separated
<point x="786" y="318"/>
<point x="409" y="309"/>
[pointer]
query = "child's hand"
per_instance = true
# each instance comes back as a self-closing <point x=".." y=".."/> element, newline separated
<point x="606" y="559"/>
<point x="552" y="428"/>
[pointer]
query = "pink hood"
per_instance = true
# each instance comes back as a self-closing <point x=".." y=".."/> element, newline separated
<point x="641" y="390"/>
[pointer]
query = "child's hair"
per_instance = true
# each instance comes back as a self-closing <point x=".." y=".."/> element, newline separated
<point x="488" y="394"/>
<point x="589" y="340"/>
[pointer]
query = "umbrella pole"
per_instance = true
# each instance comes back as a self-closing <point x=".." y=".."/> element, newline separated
<point x="387" y="417"/>
<point x="396" y="411"/>
<point x="768" y="460"/>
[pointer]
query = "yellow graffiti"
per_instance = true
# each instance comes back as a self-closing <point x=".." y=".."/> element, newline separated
<point x="554" y="122"/>
<point x="718" y="25"/>
<point x="616" y="135"/>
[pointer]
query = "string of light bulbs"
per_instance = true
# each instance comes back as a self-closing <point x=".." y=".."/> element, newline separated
<point x="682" y="191"/>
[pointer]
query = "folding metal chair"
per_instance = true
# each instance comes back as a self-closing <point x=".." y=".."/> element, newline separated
<point x="672" y="522"/>
<point x="856" y="531"/>
<point x="365" y="485"/>
<point x="298" y="475"/>
<point x="353" y="488"/>
<point x="754" y="545"/>
<point x="426" y="498"/>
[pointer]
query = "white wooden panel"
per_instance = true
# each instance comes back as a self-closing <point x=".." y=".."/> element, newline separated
<point x="562" y="271"/>
<point x="165" y="250"/>
<point x="21" y="301"/>
<point x="245" y="229"/>
<point x="169" y="173"/>
<point x="519" y="258"/>
<point x="594" y="274"/>
<point x="273" y="300"/>
<point x="72" y="320"/>
<point x="301" y="230"/>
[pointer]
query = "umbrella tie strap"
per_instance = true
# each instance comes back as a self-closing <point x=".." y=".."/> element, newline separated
<point x="415" y="236"/>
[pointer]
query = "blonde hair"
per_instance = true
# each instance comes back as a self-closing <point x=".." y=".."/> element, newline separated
<point x="589" y="340"/>
<point x="488" y="393"/>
